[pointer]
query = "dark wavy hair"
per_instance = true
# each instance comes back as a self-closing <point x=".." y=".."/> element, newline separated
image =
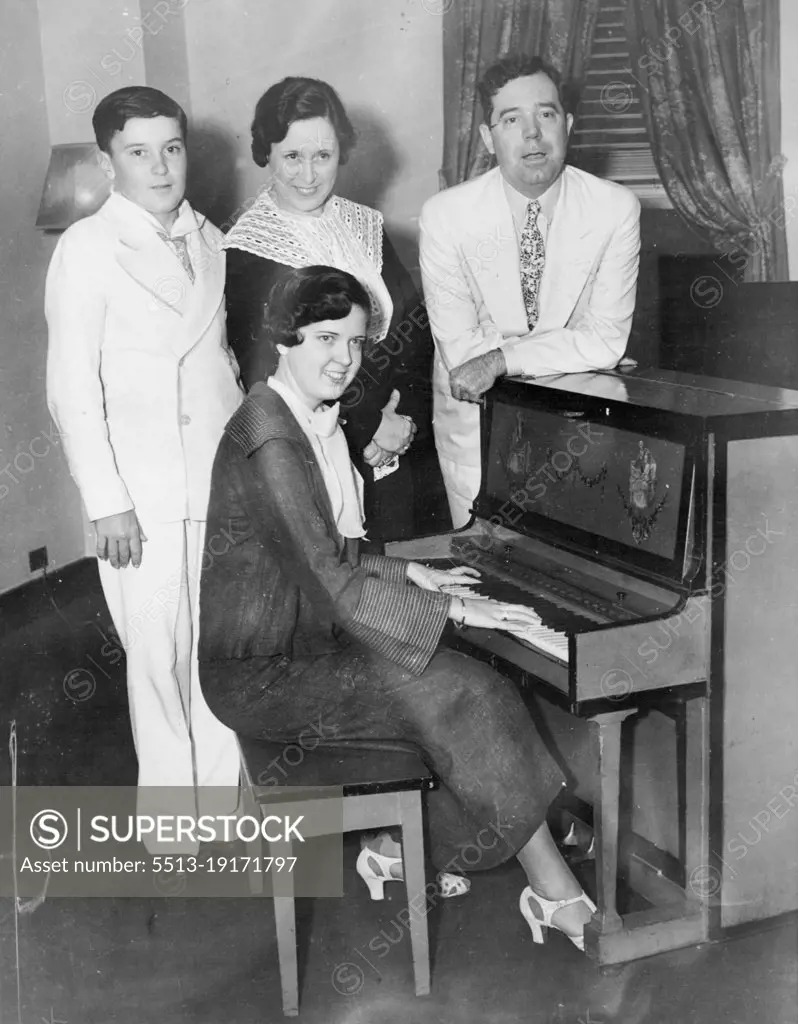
<point x="117" y="108"/>
<point x="519" y="65"/>
<point x="298" y="99"/>
<point x="308" y="296"/>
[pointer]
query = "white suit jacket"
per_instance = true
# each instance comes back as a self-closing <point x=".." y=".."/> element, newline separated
<point x="472" y="288"/>
<point x="140" y="381"/>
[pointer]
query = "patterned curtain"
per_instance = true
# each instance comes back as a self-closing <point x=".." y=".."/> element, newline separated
<point x="478" y="32"/>
<point x="709" y="85"/>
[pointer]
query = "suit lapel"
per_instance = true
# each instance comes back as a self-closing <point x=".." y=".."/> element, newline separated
<point x="493" y="257"/>
<point x="145" y="257"/>
<point x="570" y="255"/>
<point x="204" y="297"/>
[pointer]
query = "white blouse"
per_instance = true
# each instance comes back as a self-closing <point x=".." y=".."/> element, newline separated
<point x="343" y="482"/>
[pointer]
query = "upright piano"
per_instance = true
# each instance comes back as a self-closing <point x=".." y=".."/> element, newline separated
<point x="651" y="519"/>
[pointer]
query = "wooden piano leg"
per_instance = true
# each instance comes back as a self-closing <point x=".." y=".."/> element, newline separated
<point x="609" y="938"/>
<point x="605" y="818"/>
<point x="702" y="880"/>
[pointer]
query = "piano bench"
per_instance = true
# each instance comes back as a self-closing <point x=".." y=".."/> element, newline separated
<point x="382" y="782"/>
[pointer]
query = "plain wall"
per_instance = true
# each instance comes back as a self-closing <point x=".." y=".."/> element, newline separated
<point x="39" y="504"/>
<point x="89" y="49"/>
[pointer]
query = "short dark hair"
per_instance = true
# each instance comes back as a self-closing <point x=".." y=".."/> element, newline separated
<point x="298" y="99"/>
<point x="309" y="295"/>
<point x="518" y="65"/>
<point x="117" y="108"/>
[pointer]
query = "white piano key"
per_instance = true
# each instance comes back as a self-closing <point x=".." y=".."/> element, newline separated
<point x="544" y="639"/>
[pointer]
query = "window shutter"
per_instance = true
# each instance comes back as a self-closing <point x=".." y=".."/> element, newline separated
<point x="609" y="137"/>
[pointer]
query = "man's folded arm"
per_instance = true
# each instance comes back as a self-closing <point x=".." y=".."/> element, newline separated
<point x="75" y="311"/>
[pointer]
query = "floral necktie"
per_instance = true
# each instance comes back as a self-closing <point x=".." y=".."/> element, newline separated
<point x="532" y="260"/>
<point x="180" y="249"/>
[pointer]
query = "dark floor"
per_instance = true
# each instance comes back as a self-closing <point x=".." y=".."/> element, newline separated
<point x="173" y="960"/>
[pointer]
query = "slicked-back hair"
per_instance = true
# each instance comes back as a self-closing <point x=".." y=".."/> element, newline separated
<point x="117" y="108"/>
<point x="298" y="99"/>
<point x="310" y="295"/>
<point x="518" y="65"/>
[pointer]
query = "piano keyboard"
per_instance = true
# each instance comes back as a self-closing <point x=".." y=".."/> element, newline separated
<point x="530" y="585"/>
<point x="550" y="635"/>
<point x="553" y="617"/>
<point x="540" y="638"/>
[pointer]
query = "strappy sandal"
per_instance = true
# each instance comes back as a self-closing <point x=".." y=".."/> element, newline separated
<point x="452" y="885"/>
<point x="547" y="909"/>
<point x="375" y="870"/>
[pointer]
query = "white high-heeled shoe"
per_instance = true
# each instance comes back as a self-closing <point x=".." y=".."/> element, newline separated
<point x="375" y="870"/>
<point x="582" y="838"/>
<point x="548" y="909"/>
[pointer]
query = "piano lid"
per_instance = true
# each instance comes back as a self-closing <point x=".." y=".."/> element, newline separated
<point x="591" y="475"/>
<point x="710" y="399"/>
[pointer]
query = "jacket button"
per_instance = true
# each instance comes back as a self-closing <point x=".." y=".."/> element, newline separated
<point x="185" y="420"/>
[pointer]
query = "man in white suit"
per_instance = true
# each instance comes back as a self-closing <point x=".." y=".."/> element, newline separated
<point x="140" y="383"/>
<point x="528" y="270"/>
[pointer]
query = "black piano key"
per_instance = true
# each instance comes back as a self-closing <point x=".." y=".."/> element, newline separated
<point x="562" y="620"/>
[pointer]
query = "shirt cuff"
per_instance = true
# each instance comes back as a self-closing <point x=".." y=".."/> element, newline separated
<point x="107" y="505"/>
<point x="513" y="362"/>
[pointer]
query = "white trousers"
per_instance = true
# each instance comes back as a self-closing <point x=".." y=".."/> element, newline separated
<point x="179" y="742"/>
<point x="462" y="487"/>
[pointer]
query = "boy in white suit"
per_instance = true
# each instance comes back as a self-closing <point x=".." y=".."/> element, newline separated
<point x="141" y="383"/>
<point x="529" y="269"/>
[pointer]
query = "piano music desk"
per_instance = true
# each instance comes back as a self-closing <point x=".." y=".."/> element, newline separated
<point x="651" y="518"/>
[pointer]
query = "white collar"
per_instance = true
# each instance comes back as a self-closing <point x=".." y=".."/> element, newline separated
<point x="518" y="202"/>
<point x="322" y="422"/>
<point x="343" y="482"/>
<point x="185" y="222"/>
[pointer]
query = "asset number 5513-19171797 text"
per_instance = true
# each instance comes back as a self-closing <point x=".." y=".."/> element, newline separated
<point x="220" y="865"/>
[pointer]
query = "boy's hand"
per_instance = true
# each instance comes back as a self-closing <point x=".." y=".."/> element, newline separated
<point x="119" y="539"/>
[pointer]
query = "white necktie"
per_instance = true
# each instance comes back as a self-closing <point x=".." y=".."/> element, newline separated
<point x="338" y="472"/>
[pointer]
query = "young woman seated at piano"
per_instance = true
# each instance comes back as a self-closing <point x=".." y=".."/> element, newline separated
<point x="294" y="628"/>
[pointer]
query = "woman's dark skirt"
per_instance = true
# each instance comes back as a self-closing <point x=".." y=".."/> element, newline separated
<point x="496" y="778"/>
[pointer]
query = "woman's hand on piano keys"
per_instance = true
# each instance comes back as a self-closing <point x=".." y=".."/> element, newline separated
<point x="488" y="614"/>
<point x="456" y="582"/>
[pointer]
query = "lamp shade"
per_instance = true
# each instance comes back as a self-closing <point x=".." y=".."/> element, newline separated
<point x="75" y="186"/>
